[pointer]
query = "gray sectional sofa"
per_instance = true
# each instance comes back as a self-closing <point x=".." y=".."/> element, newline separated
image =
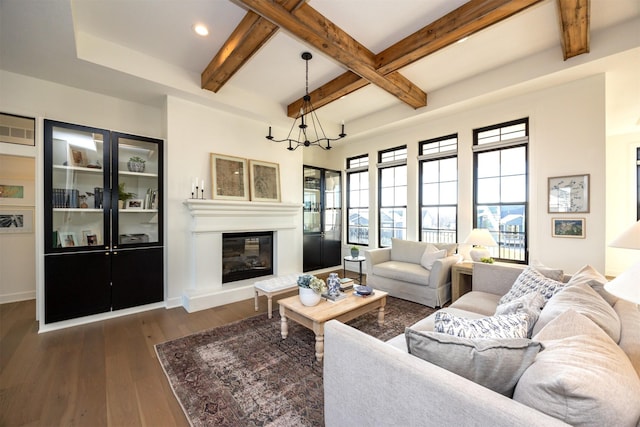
<point x="585" y="371"/>
<point x="405" y="271"/>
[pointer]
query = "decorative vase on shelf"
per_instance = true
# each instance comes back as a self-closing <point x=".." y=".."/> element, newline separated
<point x="333" y="283"/>
<point x="309" y="297"/>
<point x="135" y="166"/>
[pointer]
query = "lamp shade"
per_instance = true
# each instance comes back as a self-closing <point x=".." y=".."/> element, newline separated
<point x="480" y="237"/>
<point x="626" y="285"/>
<point x="629" y="239"/>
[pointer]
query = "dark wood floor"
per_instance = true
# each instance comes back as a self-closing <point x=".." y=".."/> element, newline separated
<point x="102" y="374"/>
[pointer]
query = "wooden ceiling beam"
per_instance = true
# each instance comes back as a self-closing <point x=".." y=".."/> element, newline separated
<point x="249" y="36"/>
<point x="469" y="18"/>
<point x="574" y="17"/>
<point x="310" y="26"/>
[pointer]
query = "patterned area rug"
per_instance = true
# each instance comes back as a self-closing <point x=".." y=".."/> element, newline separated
<point x="245" y="374"/>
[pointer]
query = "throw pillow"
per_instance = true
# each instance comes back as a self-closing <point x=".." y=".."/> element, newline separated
<point x="449" y="247"/>
<point x="551" y="273"/>
<point x="531" y="280"/>
<point x="531" y="304"/>
<point x="515" y="325"/>
<point x="430" y="255"/>
<point x="585" y="301"/>
<point x="593" y="278"/>
<point x="582" y="377"/>
<point x="493" y="363"/>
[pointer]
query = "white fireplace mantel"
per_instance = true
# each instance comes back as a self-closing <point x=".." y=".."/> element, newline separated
<point x="210" y="219"/>
<point x="228" y="215"/>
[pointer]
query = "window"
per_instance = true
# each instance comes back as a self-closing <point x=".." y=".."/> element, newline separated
<point x="358" y="200"/>
<point x="392" y="194"/>
<point x="500" y="187"/>
<point x="439" y="189"/>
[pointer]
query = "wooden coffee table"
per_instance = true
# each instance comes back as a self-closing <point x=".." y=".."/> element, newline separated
<point x="314" y="317"/>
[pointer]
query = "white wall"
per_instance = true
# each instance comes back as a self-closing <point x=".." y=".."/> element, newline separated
<point x="567" y="137"/>
<point x="193" y="132"/>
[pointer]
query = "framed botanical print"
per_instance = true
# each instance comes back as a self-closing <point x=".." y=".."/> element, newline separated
<point x="568" y="227"/>
<point x="229" y="178"/>
<point x="265" y="181"/>
<point x="569" y="194"/>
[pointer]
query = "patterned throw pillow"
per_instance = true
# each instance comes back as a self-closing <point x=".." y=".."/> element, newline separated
<point x="531" y="280"/>
<point x="530" y="304"/>
<point x="515" y="325"/>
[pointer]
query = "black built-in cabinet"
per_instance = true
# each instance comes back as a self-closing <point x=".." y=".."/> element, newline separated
<point x="103" y="221"/>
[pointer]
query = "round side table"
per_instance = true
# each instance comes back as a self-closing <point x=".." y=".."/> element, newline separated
<point x="359" y="260"/>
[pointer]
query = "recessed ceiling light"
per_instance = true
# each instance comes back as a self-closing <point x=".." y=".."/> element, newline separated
<point x="201" y="30"/>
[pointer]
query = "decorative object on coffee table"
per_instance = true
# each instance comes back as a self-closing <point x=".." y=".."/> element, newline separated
<point x="333" y="283"/>
<point x="310" y="289"/>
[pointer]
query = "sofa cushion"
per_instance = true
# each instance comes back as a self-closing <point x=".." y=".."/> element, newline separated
<point x="407" y="250"/>
<point x="404" y="271"/>
<point x="427" y="323"/>
<point x="514" y="325"/>
<point x="430" y="255"/>
<point x="478" y="302"/>
<point x="494" y="363"/>
<point x="586" y="301"/>
<point x="551" y="273"/>
<point x="582" y="377"/>
<point x="530" y="304"/>
<point x="592" y="277"/>
<point x="449" y="247"/>
<point x="531" y="280"/>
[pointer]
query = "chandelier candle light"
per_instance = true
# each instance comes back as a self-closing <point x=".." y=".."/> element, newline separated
<point x="307" y="137"/>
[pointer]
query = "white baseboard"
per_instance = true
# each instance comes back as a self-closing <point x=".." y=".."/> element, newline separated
<point x="17" y="296"/>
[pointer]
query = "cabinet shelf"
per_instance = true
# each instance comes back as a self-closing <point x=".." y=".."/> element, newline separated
<point x="137" y="211"/>
<point x="141" y="174"/>
<point x="77" y="169"/>
<point x="89" y="210"/>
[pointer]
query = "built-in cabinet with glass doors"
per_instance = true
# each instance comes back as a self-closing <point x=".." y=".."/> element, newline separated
<point x="103" y="221"/>
<point x="322" y="218"/>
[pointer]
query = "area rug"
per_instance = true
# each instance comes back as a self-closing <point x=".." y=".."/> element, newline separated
<point x="245" y="374"/>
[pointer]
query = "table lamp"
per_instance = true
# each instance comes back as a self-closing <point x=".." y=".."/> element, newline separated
<point x="627" y="285"/>
<point x="479" y="238"/>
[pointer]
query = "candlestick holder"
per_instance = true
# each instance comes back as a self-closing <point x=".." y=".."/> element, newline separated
<point x="202" y="191"/>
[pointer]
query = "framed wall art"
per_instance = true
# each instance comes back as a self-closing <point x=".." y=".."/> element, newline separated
<point x="16" y="220"/>
<point x="17" y="129"/>
<point x="568" y="227"/>
<point x="265" y="181"/>
<point x="569" y="194"/>
<point x="17" y="192"/>
<point x="229" y="178"/>
<point x="76" y="156"/>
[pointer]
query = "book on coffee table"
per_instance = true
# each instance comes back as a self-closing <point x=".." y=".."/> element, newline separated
<point x="334" y="298"/>
<point x="346" y="284"/>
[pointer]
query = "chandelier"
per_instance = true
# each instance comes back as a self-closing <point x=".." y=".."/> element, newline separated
<point x="307" y="116"/>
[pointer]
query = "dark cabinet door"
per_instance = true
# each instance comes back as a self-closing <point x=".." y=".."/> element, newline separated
<point x="322" y="219"/>
<point x="76" y="285"/>
<point x="137" y="277"/>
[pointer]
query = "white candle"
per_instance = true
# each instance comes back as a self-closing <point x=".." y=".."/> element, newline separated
<point x="193" y="186"/>
<point x="202" y="186"/>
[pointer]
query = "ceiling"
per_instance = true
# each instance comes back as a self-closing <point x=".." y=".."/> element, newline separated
<point x="142" y="50"/>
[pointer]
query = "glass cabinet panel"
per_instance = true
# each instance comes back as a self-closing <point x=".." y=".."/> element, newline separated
<point x="76" y="183"/>
<point x="312" y="200"/>
<point x="138" y="197"/>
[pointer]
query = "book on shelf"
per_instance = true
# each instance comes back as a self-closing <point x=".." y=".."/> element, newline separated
<point x="334" y="298"/>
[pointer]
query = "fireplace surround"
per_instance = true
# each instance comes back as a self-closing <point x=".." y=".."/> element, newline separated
<point x="209" y="220"/>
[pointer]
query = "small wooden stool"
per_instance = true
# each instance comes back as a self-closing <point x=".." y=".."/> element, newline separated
<point x="275" y="286"/>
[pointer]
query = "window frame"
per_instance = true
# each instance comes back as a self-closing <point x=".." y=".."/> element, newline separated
<point x="437" y="155"/>
<point x="399" y="160"/>
<point x="500" y="145"/>
<point x="356" y="169"/>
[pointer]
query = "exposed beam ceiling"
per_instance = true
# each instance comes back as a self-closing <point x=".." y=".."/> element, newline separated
<point x="250" y="34"/>
<point x="462" y="22"/>
<point x="303" y="22"/>
<point x="574" y="17"/>
<point x="306" y="24"/>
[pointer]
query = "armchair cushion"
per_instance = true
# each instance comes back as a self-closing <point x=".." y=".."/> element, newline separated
<point x="407" y="250"/>
<point x="430" y="255"/>
<point x="404" y="271"/>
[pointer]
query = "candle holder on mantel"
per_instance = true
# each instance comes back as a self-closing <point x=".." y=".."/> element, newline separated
<point x="198" y="193"/>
